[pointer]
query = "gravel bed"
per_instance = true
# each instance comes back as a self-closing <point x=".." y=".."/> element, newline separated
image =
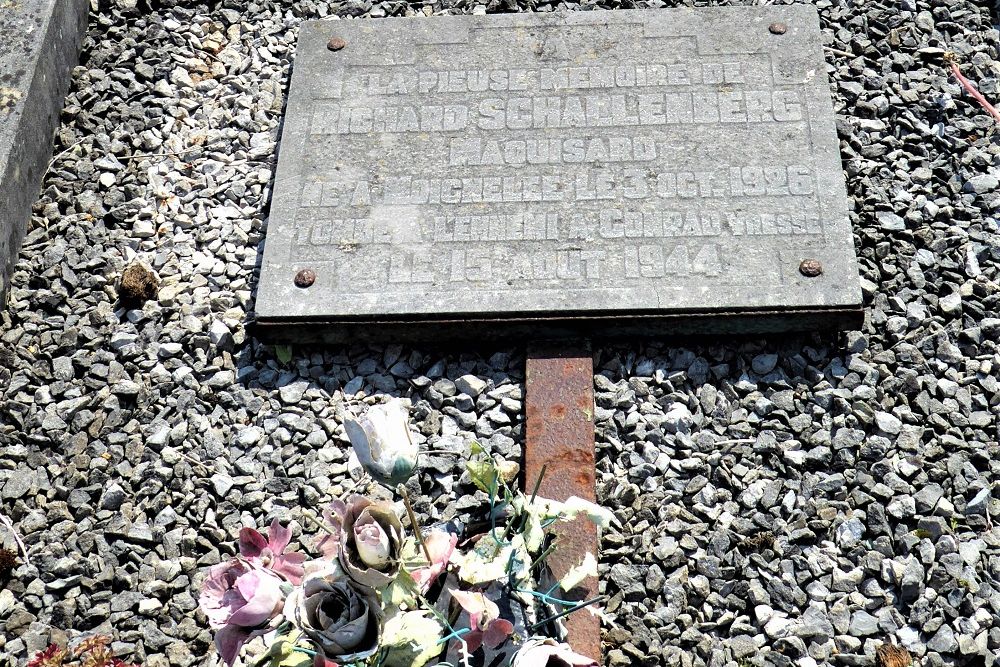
<point x="789" y="501"/>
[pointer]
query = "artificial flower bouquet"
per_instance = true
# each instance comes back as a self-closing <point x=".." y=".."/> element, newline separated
<point x="378" y="594"/>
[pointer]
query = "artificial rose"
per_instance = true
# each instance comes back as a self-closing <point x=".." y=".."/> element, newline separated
<point x="372" y="543"/>
<point x="342" y="618"/>
<point x="441" y="546"/>
<point x="545" y="652"/>
<point x="367" y="538"/>
<point x="269" y="552"/>
<point x="381" y="439"/>
<point x="239" y="599"/>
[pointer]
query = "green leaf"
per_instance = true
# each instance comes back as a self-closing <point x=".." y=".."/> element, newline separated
<point x="489" y="560"/>
<point x="476" y="448"/>
<point x="283" y="353"/>
<point x="534" y="534"/>
<point x="295" y="659"/>
<point x="400" y="593"/>
<point x="542" y="511"/>
<point x="411" y="639"/>
<point x="602" y="517"/>
<point x="484" y="475"/>
<point x="281" y="654"/>
<point x="577" y="573"/>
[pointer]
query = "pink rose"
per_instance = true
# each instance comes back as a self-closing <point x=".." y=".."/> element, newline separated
<point x="367" y="537"/>
<point x="239" y="599"/>
<point x="269" y="552"/>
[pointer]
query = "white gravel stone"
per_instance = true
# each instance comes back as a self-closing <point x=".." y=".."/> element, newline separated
<point x="292" y="393"/>
<point x="470" y="385"/>
<point x="888" y="423"/>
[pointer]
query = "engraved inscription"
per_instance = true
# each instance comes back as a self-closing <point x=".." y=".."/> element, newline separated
<point x="595" y="110"/>
<point x="475" y="151"/>
<point x="640" y="162"/>
<point x="629" y="183"/>
<point x="424" y="82"/>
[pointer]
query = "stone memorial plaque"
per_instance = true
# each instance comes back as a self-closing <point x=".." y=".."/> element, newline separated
<point x="596" y="173"/>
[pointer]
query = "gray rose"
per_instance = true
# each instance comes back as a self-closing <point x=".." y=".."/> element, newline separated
<point x="340" y="616"/>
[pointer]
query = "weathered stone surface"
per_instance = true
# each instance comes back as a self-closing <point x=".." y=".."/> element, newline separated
<point x="618" y="173"/>
<point x="40" y="45"/>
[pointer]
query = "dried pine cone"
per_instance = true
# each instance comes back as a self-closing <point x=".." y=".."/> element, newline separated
<point x="8" y="561"/>
<point x="759" y="541"/>
<point x="890" y="655"/>
<point x="138" y="285"/>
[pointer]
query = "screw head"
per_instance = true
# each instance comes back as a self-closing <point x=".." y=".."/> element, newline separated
<point x="810" y="268"/>
<point x="336" y="44"/>
<point x="305" y="278"/>
<point x="778" y="28"/>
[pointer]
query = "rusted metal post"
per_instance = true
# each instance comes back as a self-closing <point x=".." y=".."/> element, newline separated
<point x="560" y="420"/>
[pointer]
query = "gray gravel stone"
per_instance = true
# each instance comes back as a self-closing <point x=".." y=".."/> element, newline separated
<point x="981" y="184"/>
<point x="628" y="579"/>
<point x="927" y="498"/>
<point x="764" y="363"/>
<point x="62" y="368"/>
<point x="863" y="624"/>
<point x="943" y="640"/>
<point x="888" y="423"/>
<point x="112" y="497"/>
<point x="737" y="467"/>
<point x="470" y="385"/>
<point x="292" y="393"/>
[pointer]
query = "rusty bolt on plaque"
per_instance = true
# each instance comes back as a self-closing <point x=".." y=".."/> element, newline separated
<point x="810" y="268"/>
<point x="336" y="44"/>
<point x="305" y="278"/>
<point x="778" y="28"/>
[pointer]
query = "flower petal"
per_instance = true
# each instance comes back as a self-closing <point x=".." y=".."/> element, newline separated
<point x="328" y="545"/>
<point x="441" y="544"/>
<point x="362" y="511"/>
<point x="251" y="543"/>
<point x="278" y="537"/>
<point x="497" y="632"/>
<point x="218" y="598"/>
<point x="381" y="439"/>
<point x="290" y="567"/>
<point x="229" y="640"/>
<point x="264" y="603"/>
<point x="473" y="640"/>
<point x="246" y="584"/>
<point x="479" y="608"/>
<point x="360" y="439"/>
<point x="351" y="634"/>
<point x="343" y="619"/>
<point x="372" y="542"/>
